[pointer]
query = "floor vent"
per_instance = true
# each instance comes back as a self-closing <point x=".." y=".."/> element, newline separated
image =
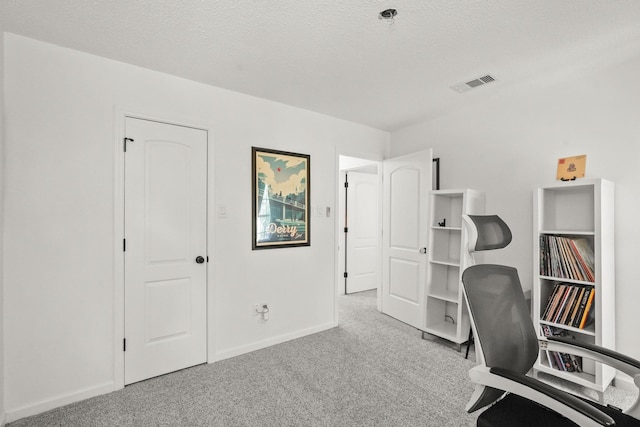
<point x="480" y="81"/>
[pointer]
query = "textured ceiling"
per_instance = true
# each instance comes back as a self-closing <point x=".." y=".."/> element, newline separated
<point x="335" y="56"/>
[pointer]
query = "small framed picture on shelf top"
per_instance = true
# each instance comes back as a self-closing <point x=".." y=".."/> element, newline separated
<point x="570" y="168"/>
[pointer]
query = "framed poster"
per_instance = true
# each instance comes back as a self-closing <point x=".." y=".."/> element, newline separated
<point x="280" y="199"/>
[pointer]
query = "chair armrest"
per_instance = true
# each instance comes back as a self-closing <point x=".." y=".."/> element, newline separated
<point x="611" y="358"/>
<point x="617" y="360"/>
<point x="556" y="400"/>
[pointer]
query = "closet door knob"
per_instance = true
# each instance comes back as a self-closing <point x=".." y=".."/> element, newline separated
<point x="199" y="260"/>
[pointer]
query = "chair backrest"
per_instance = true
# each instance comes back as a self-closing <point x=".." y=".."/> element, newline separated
<point x="499" y="313"/>
<point x="501" y="322"/>
<point x="501" y="316"/>
<point x="487" y="232"/>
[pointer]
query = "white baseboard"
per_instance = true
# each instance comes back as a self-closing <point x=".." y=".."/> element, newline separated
<point x="62" y="400"/>
<point x="237" y="351"/>
<point x="56" y="402"/>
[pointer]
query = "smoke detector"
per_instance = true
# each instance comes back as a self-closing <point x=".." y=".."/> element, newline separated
<point x="472" y="84"/>
<point x="388" y="14"/>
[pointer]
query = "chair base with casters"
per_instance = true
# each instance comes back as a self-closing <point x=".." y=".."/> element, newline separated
<point x="515" y="410"/>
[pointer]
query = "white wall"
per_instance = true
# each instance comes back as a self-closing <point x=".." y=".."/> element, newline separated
<point x="59" y="236"/>
<point x="509" y="146"/>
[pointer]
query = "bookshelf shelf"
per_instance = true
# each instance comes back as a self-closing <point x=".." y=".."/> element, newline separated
<point x="447" y="315"/>
<point x="570" y="329"/>
<point x="446" y="263"/>
<point x="568" y="232"/>
<point x="446" y="330"/>
<point x="447" y="295"/>
<point x="446" y="228"/>
<point x="565" y="280"/>
<point x="574" y="283"/>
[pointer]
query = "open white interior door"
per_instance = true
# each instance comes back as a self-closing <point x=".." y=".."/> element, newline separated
<point x="406" y="186"/>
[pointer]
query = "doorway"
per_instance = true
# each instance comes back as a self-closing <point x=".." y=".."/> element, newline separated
<point x="165" y="248"/>
<point x="359" y="225"/>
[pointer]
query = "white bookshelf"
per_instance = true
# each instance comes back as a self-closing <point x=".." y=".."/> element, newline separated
<point x="447" y="315"/>
<point x="581" y="209"/>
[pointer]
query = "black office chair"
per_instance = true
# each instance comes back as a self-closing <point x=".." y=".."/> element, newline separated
<point x="507" y="347"/>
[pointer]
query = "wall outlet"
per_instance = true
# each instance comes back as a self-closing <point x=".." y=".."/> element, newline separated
<point x="261" y="310"/>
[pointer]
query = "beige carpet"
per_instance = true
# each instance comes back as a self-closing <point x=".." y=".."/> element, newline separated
<point x="370" y="371"/>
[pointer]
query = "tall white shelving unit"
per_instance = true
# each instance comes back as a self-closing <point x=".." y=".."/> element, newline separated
<point x="578" y="210"/>
<point x="447" y="315"/>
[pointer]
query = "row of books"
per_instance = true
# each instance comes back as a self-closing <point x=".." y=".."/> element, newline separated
<point x="561" y="361"/>
<point x="569" y="304"/>
<point x="566" y="257"/>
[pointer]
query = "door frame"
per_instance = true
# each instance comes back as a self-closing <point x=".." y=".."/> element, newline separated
<point x="339" y="227"/>
<point x="344" y="213"/>
<point x="120" y="115"/>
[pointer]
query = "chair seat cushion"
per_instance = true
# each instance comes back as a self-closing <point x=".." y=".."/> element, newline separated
<point x="516" y="411"/>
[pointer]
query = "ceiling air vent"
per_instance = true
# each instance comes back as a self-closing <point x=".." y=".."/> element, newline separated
<point x="480" y="81"/>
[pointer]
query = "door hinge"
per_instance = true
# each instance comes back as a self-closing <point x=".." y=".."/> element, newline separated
<point x="346" y="274"/>
<point x="125" y="143"/>
<point x="346" y="185"/>
<point x="124" y="245"/>
<point x="346" y="229"/>
<point x="124" y="344"/>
